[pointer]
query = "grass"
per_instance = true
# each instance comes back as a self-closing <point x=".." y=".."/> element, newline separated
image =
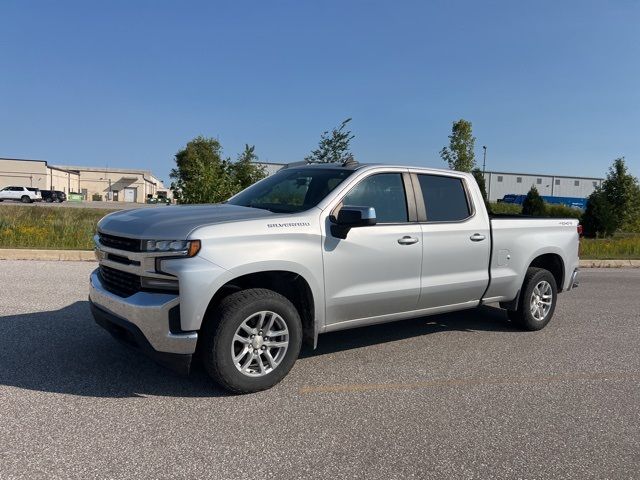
<point x="617" y="247"/>
<point x="73" y="229"/>
<point x="48" y="228"/>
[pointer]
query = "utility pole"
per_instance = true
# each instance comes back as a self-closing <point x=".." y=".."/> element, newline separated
<point x="484" y="158"/>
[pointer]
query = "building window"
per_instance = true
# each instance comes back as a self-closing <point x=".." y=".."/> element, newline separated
<point x="500" y="178"/>
<point x="557" y="181"/>
<point x="539" y="181"/>
<point x="595" y="184"/>
<point x="576" y="183"/>
<point x="518" y="179"/>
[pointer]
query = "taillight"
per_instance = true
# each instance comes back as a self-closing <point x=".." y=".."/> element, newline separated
<point x="579" y="230"/>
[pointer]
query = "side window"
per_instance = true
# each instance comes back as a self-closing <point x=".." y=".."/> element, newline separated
<point x="385" y="193"/>
<point x="444" y="198"/>
<point x="16" y="189"/>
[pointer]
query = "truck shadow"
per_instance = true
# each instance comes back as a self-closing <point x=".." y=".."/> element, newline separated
<point x="485" y="318"/>
<point x="63" y="351"/>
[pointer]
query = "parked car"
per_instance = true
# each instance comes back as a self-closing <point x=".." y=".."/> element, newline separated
<point x="315" y="249"/>
<point x="50" y="196"/>
<point x="20" y="194"/>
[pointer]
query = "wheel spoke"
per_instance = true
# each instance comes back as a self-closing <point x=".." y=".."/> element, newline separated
<point x="272" y="319"/>
<point x="261" y="320"/>
<point x="240" y="355"/>
<point x="278" y="333"/>
<point x="247" y="362"/>
<point x="260" y="364"/>
<point x="271" y="344"/>
<point x="247" y="328"/>
<point x="270" y="359"/>
<point x="241" y="339"/>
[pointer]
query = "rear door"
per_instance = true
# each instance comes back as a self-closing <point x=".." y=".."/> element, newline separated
<point x="456" y="241"/>
<point x="17" y="193"/>
<point x="375" y="271"/>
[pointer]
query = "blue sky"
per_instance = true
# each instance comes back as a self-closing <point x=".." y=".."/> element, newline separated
<point x="551" y="87"/>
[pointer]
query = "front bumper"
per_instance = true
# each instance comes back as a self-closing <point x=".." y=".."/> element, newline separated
<point x="142" y="320"/>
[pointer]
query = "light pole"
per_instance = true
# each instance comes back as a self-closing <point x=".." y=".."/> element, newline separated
<point x="484" y="158"/>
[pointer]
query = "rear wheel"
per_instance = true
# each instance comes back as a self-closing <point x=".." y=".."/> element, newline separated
<point x="537" y="301"/>
<point x="253" y="340"/>
<point x="48" y="200"/>
<point x="25" y="199"/>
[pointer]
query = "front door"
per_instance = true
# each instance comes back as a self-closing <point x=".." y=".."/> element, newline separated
<point x="375" y="271"/>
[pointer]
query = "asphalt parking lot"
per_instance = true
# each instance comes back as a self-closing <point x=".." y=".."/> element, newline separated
<point x="462" y="395"/>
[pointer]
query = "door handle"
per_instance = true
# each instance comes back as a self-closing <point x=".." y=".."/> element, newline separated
<point x="406" y="240"/>
<point x="477" y="237"/>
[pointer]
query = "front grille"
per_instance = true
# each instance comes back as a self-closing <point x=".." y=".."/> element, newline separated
<point x="123" y="284"/>
<point x="120" y="243"/>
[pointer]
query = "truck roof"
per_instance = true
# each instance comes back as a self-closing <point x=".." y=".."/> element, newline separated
<point x="354" y="165"/>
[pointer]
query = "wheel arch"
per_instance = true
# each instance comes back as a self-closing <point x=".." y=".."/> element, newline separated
<point x="552" y="262"/>
<point x="290" y="284"/>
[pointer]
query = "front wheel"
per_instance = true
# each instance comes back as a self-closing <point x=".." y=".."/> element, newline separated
<point x="537" y="300"/>
<point x="252" y="341"/>
<point x="25" y="199"/>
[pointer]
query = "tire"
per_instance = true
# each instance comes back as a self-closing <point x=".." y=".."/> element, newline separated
<point x="533" y="313"/>
<point x="25" y="199"/>
<point x="220" y="342"/>
<point x="49" y="200"/>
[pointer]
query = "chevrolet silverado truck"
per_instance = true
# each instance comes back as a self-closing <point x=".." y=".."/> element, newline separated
<point x="315" y="249"/>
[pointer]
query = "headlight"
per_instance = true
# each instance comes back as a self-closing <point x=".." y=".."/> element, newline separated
<point x="186" y="247"/>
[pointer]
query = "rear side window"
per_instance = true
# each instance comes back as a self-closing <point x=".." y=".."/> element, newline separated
<point x="444" y="198"/>
<point x="385" y="193"/>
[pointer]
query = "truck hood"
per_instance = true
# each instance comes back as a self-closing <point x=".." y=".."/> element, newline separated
<point x="174" y="222"/>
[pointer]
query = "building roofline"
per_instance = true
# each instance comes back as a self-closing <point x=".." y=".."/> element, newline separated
<point x="543" y="175"/>
<point x="109" y="169"/>
<point x="63" y="169"/>
<point x="24" y="159"/>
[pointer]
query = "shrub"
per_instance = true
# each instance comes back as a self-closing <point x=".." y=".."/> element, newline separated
<point x="599" y="218"/>
<point x="562" y="211"/>
<point x="504" y="208"/>
<point x="533" y="204"/>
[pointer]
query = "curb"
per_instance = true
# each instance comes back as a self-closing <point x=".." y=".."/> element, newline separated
<point x="89" y="256"/>
<point x="55" y="255"/>
<point x="609" y="263"/>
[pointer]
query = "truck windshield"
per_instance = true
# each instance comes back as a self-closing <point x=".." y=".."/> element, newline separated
<point x="291" y="190"/>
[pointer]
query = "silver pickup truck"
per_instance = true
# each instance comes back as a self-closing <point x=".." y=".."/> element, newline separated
<point x="314" y="249"/>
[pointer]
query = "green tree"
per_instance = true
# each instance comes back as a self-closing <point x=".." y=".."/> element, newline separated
<point x="533" y="203"/>
<point x="245" y="170"/>
<point x="479" y="176"/>
<point x="203" y="175"/>
<point x="459" y="154"/>
<point x="598" y="220"/>
<point x="334" y="146"/>
<point x="622" y="191"/>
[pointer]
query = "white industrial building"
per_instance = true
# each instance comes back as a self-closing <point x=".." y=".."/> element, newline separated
<point x="93" y="183"/>
<point x="499" y="184"/>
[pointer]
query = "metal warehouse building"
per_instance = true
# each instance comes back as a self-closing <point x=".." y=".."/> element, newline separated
<point x="116" y="184"/>
<point x="500" y="184"/>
